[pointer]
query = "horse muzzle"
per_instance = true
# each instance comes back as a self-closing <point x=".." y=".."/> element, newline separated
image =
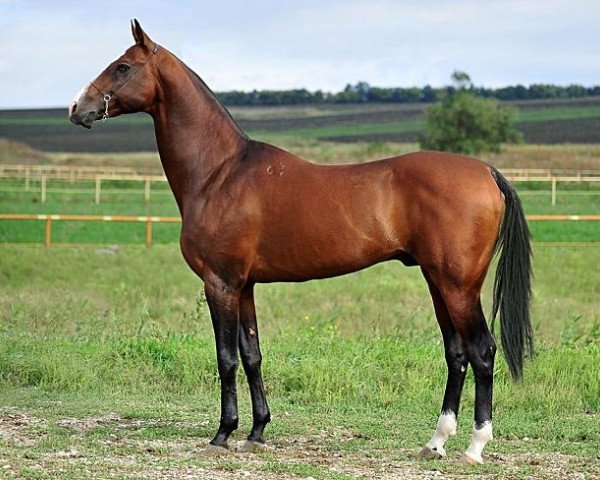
<point x="82" y="116"/>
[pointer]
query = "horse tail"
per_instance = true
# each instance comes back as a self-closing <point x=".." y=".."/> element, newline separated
<point x="512" y="285"/>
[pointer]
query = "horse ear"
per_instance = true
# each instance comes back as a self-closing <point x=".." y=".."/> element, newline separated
<point x="138" y="33"/>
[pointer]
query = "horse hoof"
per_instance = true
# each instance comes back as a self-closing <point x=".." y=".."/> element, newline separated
<point x="250" y="446"/>
<point x="214" y="451"/>
<point x="467" y="460"/>
<point x="430" y="454"/>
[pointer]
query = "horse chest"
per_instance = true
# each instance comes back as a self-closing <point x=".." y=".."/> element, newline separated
<point x="209" y="249"/>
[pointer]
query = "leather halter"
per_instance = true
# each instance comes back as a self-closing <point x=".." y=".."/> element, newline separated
<point x="106" y="97"/>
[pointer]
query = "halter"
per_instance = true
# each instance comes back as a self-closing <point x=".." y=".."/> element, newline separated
<point x="106" y="97"/>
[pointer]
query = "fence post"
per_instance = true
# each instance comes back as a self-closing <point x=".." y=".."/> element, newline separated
<point x="553" y="191"/>
<point x="97" y="190"/>
<point x="43" y="188"/>
<point x="27" y="178"/>
<point x="149" y="232"/>
<point x="48" y="231"/>
<point x="147" y="190"/>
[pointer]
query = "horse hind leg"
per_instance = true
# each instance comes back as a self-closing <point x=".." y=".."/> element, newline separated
<point x="456" y="361"/>
<point x="467" y="317"/>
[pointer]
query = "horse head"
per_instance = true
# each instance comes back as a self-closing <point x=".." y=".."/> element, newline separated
<point x="127" y="85"/>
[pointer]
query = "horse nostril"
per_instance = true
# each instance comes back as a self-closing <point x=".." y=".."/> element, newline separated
<point x="72" y="108"/>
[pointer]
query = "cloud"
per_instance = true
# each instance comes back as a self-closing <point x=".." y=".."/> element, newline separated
<point x="50" y="49"/>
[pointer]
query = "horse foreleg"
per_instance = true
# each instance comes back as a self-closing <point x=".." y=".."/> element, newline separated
<point x="251" y="360"/>
<point x="223" y="303"/>
<point x="456" y="361"/>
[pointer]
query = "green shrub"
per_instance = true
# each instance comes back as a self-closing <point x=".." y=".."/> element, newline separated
<point x="463" y="123"/>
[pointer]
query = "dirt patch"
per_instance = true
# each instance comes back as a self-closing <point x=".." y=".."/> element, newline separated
<point x="123" y="452"/>
<point x="12" y="151"/>
<point x="83" y="425"/>
<point x="20" y="430"/>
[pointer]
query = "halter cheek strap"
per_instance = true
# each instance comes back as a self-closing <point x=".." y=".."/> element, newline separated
<point x="106" y="97"/>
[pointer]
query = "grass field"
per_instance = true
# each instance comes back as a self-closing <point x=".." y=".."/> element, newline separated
<point x="107" y="368"/>
<point x="107" y="362"/>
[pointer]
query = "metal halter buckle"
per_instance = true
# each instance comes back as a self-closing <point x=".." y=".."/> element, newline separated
<point x="106" y="99"/>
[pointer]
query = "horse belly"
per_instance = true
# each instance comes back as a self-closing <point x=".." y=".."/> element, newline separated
<point x="322" y="250"/>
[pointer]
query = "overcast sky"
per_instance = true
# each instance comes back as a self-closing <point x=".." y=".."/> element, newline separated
<point x="50" y="49"/>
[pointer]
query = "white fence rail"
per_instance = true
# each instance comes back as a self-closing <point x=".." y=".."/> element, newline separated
<point x="45" y="173"/>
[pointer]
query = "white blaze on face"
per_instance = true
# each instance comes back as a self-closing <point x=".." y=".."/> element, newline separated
<point x="446" y="428"/>
<point x="78" y="96"/>
<point x="480" y="437"/>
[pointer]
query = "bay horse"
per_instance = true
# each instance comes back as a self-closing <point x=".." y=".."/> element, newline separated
<point x="253" y="213"/>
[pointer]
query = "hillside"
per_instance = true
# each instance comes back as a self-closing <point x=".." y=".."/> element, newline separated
<point x="541" y="121"/>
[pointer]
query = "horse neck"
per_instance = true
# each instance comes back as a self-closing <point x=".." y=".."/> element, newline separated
<point x="198" y="141"/>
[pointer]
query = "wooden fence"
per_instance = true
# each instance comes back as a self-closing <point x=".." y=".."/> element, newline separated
<point x="149" y="221"/>
<point x="70" y="172"/>
<point x="74" y="171"/>
<point x="48" y="219"/>
<point x="45" y="173"/>
<point x="147" y="181"/>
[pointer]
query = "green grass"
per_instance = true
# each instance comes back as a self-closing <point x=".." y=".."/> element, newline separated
<point x="530" y="115"/>
<point x="370" y="128"/>
<point x="347" y="130"/>
<point x="61" y="119"/>
<point x="547" y="114"/>
<point x="109" y="354"/>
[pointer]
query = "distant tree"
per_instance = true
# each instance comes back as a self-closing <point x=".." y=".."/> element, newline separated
<point x="463" y="123"/>
<point x="363" y="92"/>
<point x="406" y="95"/>
<point x="461" y="80"/>
<point x="362" y="89"/>
<point x="593" y="91"/>
<point x="428" y="94"/>
<point x="576" y="91"/>
<point x="540" y="90"/>
<point x="377" y="94"/>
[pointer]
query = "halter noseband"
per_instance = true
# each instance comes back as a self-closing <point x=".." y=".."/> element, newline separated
<point x="106" y="97"/>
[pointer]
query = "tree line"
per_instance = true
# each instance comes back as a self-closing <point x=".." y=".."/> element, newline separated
<point x="362" y="92"/>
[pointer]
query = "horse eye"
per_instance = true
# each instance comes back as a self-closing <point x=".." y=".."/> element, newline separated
<point x="123" y="67"/>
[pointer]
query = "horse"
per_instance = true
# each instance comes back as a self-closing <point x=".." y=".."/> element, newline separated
<point x="253" y="213"/>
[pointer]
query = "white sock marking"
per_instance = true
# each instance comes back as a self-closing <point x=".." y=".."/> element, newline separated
<point x="479" y="439"/>
<point x="446" y="427"/>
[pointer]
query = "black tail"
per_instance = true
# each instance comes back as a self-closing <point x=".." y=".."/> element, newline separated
<point x="512" y="285"/>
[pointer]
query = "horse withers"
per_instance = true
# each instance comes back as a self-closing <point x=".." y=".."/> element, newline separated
<point x="253" y="213"/>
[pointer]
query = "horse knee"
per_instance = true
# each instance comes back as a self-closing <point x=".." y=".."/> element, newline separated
<point x="456" y="361"/>
<point x="252" y="363"/>
<point x="483" y="360"/>
<point x="227" y="367"/>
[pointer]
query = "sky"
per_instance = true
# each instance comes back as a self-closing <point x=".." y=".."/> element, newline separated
<point x="50" y="49"/>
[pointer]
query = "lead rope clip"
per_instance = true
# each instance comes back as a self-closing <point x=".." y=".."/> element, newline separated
<point x="106" y="99"/>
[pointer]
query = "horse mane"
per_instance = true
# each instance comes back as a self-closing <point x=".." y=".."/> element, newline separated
<point x="204" y="88"/>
